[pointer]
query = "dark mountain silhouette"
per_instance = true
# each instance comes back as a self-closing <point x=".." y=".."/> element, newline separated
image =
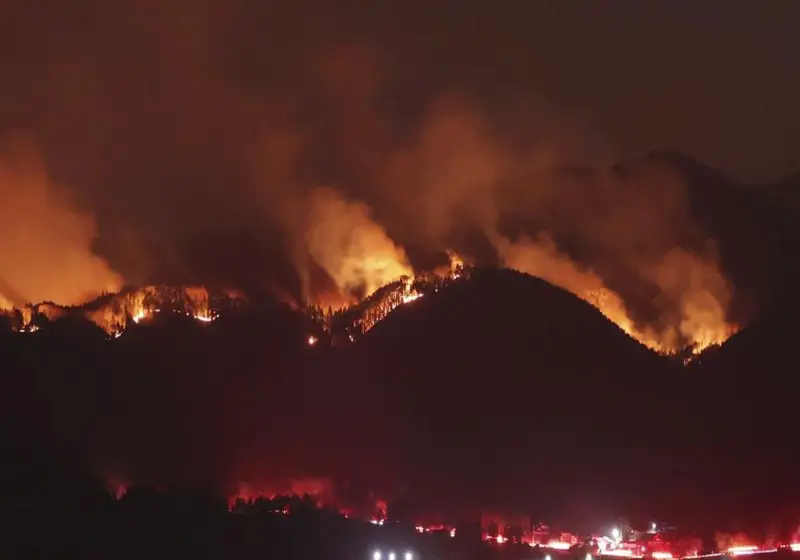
<point x="787" y="192"/>
<point x="757" y="365"/>
<point x="748" y="388"/>
<point x="520" y="380"/>
<point x="512" y="312"/>
<point x="688" y="166"/>
<point x="499" y="390"/>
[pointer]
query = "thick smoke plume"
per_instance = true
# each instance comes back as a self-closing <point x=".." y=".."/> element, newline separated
<point x="46" y="251"/>
<point x="209" y="130"/>
<point x="693" y="293"/>
<point x="355" y="251"/>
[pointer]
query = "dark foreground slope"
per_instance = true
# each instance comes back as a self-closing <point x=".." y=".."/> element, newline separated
<point x="750" y="388"/>
<point x="497" y="391"/>
<point x="506" y="386"/>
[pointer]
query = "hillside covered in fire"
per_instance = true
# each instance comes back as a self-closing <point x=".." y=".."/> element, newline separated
<point x="115" y="312"/>
<point x="400" y="390"/>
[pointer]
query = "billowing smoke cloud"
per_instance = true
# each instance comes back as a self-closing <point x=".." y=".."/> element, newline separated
<point x="202" y="130"/>
<point x="693" y="293"/>
<point x="206" y="130"/>
<point x="355" y="251"/>
<point x="540" y="257"/>
<point x="46" y="253"/>
<point x="695" y="298"/>
<point x="658" y="275"/>
<point x="634" y="250"/>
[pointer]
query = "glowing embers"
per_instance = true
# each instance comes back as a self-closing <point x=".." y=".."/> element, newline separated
<point x="348" y="322"/>
<point x="403" y="294"/>
<point x="117" y="312"/>
<point x="408" y="298"/>
<point x="143" y="316"/>
<point x="204" y="316"/>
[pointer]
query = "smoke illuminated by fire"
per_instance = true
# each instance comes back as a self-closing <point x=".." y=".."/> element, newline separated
<point x="50" y="238"/>
<point x="701" y="323"/>
<point x="695" y="285"/>
<point x="541" y="258"/>
<point x="49" y="256"/>
<point x="416" y="172"/>
<point x="46" y="251"/>
<point x="363" y="316"/>
<point x="140" y="305"/>
<point x="115" y="312"/>
<point x="405" y="293"/>
<point x="353" y="249"/>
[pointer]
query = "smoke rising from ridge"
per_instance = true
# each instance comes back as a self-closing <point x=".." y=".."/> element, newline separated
<point x="353" y="250"/>
<point x="46" y="251"/>
<point x="199" y="125"/>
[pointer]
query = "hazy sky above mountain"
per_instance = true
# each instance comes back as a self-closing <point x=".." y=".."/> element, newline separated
<point x="166" y="119"/>
<point x="716" y="79"/>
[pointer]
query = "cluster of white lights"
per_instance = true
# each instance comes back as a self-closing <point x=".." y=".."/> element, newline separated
<point x="377" y="555"/>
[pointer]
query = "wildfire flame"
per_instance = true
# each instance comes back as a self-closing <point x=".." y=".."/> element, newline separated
<point x="46" y="254"/>
<point x="702" y="322"/>
<point x="407" y="292"/>
<point x="352" y="248"/>
<point x="114" y="313"/>
<point x="702" y="315"/>
<point x="144" y="303"/>
<point x="395" y="298"/>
